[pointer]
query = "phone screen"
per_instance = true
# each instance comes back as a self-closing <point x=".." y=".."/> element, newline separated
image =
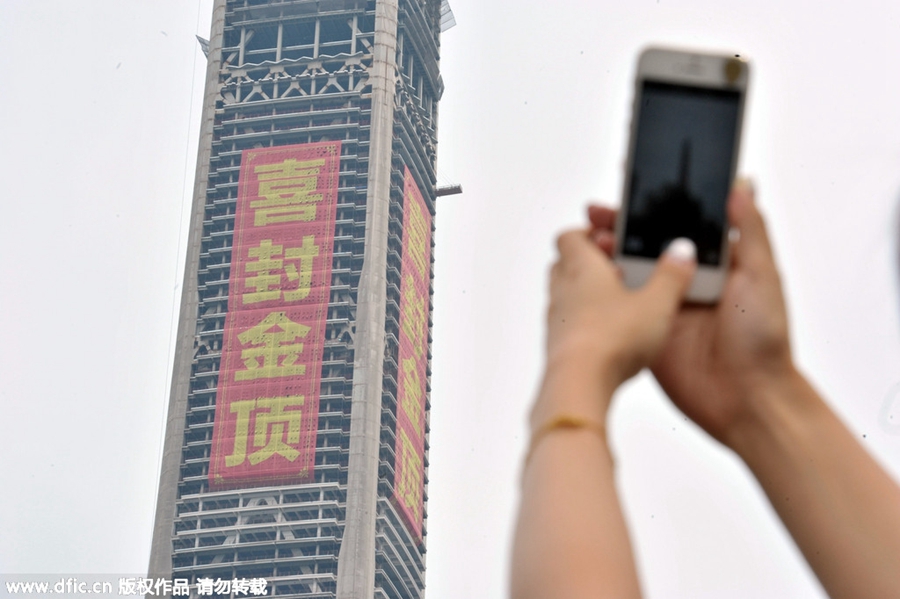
<point x="681" y="170"/>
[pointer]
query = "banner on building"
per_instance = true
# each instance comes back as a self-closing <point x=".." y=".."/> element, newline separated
<point x="415" y="282"/>
<point x="267" y="402"/>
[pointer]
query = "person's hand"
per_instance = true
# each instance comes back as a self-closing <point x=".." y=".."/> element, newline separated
<point x="599" y="326"/>
<point x="729" y="368"/>
<point x="718" y="360"/>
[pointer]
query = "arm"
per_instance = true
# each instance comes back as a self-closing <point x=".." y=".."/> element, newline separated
<point x="571" y="540"/>
<point x="729" y="368"/>
<point x="841" y="508"/>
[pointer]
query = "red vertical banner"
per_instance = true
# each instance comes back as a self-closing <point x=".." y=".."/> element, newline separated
<point x="415" y="282"/>
<point x="267" y="402"/>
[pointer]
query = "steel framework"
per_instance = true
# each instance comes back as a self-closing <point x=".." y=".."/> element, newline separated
<point x="283" y="72"/>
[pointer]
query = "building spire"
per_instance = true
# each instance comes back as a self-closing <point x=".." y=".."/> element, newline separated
<point x="685" y="175"/>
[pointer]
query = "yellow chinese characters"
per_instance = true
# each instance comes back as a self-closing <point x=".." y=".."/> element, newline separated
<point x="275" y="353"/>
<point x="414" y="324"/>
<point x="272" y="262"/>
<point x="418" y="233"/>
<point x="414" y="318"/>
<point x="276" y="429"/>
<point x="288" y="191"/>
<point x="411" y="401"/>
<point x="409" y="468"/>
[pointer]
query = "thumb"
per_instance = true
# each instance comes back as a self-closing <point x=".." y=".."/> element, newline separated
<point x="672" y="277"/>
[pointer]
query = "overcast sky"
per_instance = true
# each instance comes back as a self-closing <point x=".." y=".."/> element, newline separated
<point x="99" y="113"/>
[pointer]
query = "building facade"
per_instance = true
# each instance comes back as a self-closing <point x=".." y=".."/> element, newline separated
<point x="297" y="435"/>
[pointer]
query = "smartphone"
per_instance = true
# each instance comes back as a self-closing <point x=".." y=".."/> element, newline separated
<point x="682" y="158"/>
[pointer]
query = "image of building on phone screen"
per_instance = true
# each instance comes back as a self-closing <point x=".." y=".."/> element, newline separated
<point x="681" y="170"/>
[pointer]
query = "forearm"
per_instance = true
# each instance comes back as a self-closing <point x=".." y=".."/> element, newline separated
<point x="571" y="539"/>
<point x="841" y="508"/>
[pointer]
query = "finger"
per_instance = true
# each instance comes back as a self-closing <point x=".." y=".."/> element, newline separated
<point x="602" y="217"/>
<point x="752" y="250"/>
<point x="670" y="281"/>
<point x="574" y="244"/>
<point x="605" y="240"/>
<point x="570" y="243"/>
<point x="576" y="247"/>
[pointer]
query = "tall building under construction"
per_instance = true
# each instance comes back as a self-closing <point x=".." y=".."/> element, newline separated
<point x="296" y="445"/>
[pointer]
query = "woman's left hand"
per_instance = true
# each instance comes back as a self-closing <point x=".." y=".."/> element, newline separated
<point x="598" y="324"/>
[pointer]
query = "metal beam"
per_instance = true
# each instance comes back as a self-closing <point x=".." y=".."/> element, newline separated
<point x="447" y="190"/>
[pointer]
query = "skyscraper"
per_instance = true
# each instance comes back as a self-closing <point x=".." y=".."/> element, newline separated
<point x="297" y="435"/>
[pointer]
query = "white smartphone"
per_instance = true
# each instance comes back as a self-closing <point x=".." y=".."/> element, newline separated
<point x="682" y="159"/>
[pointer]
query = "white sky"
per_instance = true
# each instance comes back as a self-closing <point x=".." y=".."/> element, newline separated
<point x="99" y="110"/>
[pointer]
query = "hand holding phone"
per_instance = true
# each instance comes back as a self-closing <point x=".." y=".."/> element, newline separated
<point x="682" y="159"/>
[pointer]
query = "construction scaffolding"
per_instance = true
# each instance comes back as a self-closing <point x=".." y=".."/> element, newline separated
<point x="363" y="73"/>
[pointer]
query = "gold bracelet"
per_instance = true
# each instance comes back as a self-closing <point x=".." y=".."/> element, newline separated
<point x="562" y="422"/>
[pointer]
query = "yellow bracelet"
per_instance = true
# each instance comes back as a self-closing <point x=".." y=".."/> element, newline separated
<point x="562" y="422"/>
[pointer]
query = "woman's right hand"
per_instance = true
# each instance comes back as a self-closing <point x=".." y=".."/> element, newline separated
<point x="729" y="368"/>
